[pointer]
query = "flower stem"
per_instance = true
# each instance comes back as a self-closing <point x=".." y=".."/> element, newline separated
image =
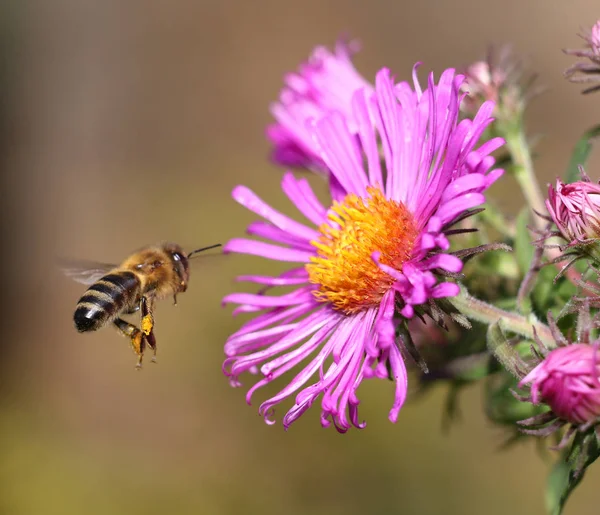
<point x="480" y="311"/>
<point x="524" y="173"/>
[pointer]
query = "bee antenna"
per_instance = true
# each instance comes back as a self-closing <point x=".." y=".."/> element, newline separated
<point x="197" y="251"/>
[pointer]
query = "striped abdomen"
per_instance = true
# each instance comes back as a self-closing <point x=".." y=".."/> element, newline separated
<point x="105" y="300"/>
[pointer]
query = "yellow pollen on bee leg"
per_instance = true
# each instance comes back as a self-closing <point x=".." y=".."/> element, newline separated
<point x="147" y="324"/>
<point x="347" y="276"/>
<point x="136" y="343"/>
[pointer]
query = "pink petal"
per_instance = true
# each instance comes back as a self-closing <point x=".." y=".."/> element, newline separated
<point x="266" y="250"/>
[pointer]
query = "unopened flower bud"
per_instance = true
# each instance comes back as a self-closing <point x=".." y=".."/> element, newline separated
<point x="501" y="78"/>
<point x="575" y="209"/>
<point x="567" y="380"/>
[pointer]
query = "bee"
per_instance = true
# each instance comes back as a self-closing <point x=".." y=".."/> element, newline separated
<point x="152" y="273"/>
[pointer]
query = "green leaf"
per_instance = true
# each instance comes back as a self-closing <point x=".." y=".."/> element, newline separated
<point x="558" y="481"/>
<point x="550" y="295"/>
<point x="565" y="290"/>
<point x="544" y="287"/>
<point x="581" y="153"/>
<point x="569" y="471"/>
<point x="524" y="250"/>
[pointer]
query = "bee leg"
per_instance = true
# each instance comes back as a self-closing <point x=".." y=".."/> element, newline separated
<point x="147" y="322"/>
<point x="151" y="339"/>
<point x="147" y="325"/>
<point x="137" y="338"/>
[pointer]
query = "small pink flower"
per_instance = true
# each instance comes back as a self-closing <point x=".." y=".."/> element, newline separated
<point x="485" y="80"/>
<point x="567" y="381"/>
<point x="502" y="78"/>
<point x="575" y="209"/>
<point x="589" y="70"/>
<point x="325" y="83"/>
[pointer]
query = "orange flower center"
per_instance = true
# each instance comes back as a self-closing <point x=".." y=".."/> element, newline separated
<point x="347" y="276"/>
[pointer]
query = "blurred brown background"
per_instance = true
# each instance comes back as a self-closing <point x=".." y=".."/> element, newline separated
<point x="129" y="122"/>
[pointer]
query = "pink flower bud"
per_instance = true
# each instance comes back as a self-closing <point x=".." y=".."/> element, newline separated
<point x="567" y="380"/>
<point x="575" y="209"/>
<point x="502" y="78"/>
<point x="484" y="80"/>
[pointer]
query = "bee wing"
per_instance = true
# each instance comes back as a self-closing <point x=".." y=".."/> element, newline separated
<point x="86" y="272"/>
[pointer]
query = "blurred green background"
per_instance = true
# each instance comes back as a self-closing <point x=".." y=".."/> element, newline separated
<point x="129" y="122"/>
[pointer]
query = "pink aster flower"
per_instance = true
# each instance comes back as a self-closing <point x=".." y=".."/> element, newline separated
<point x="567" y="380"/>
<point x="402" y="173"/>
<point x="589" y="70"/>
<point x="575" y="209"/>
<point x="325" y="83"/>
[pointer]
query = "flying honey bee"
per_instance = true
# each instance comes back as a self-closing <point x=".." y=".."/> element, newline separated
<point x="152" y="273"/>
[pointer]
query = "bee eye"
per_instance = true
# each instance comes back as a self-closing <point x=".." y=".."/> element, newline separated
<point x="176" y="256"/>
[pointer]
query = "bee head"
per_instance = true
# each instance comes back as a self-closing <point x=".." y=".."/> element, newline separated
<point x="180" y="262"/>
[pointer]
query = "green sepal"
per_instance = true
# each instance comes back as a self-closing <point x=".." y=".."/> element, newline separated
<point x="501" y="405"/>
<point x="502" y="350"/>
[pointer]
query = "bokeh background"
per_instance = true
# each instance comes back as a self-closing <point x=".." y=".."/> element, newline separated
<point x="129" y="122"/>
